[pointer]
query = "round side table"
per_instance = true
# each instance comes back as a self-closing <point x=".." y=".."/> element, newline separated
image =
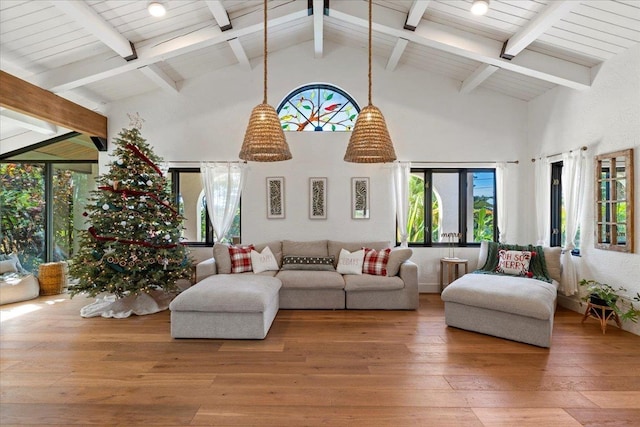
<point x="452" y="265"/>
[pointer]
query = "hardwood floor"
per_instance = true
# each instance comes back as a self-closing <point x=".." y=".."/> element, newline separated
<point x="337" y="368"/>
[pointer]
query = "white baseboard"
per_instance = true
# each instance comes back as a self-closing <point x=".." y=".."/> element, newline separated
<point x="573" y="304"/>
<point x="429" y="288"/>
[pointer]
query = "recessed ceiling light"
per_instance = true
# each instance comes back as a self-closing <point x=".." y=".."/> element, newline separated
<point x="156" y="9"/>
<point x="480" y="7"/>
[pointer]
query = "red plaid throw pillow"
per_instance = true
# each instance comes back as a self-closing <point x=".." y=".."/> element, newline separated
<point x="375" y="262"/>
<point x="240" y="258"/>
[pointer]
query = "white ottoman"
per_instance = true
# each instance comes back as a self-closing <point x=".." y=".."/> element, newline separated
<point x="236" y="306"/>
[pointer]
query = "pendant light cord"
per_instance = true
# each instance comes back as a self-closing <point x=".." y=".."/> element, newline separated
<point x="264" y="96"/>
<point x="370" y="15"/>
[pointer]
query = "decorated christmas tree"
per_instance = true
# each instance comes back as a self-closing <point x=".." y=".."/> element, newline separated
<point x="133" y="243"/>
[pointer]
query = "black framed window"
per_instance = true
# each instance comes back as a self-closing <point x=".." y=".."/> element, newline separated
<point x="460" y="201"/>
<point x="558" y="214"/>
<point x="557" y="229"/>
<point x="189" y="196"/>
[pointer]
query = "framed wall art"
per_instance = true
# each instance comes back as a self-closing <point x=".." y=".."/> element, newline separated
<point x="275" y="197"/>
<point x="318" y="198"/>
<point x="360" y="208"/>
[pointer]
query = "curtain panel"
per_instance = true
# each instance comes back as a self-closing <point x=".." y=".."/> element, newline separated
<point x="223" y="184"/>
<point x="401" y="174"/>
<point x="573" y="186"/>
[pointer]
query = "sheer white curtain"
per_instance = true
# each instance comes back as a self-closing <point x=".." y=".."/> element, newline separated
<point x="543" y="201"/>
<point x="223" y="183"/>
<point x="573" y="185"/>
<point x="401" y="174"/>
<point x="502" y="177"/>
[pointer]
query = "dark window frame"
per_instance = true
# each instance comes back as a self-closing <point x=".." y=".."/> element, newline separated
<point x="427" y="174"/>
<point x="175" y="194"/>
<point x="48" y="172"/>
<point x="556" y="204"/>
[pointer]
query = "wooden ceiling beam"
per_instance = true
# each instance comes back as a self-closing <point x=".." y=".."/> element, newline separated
<point x="318" y="28"/>
<point x="467" y="45"/>
<point x="26" y="98"/>
<point x="180" y="42"/>
<point x="476" y="78"/>
<point x="550" y="15"/>
<point x="85" y="16"/>
<point x="415" y="14"/>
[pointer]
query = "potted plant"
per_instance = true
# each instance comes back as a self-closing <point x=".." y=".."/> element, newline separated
<point x="603" y="294"/>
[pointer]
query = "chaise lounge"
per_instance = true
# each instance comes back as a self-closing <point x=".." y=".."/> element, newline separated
<point x="516" y="308"/>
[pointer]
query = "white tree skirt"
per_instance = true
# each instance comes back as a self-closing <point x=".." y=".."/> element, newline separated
<point x="110" y="306"/>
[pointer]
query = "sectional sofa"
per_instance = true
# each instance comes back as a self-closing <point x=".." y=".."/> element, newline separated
<point x="326" y="289"/>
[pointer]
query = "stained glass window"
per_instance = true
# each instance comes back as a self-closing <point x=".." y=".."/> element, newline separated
<point x="318" y="107"/>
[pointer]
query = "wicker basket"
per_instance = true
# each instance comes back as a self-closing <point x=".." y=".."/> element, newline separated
<point x="52" y="278"/>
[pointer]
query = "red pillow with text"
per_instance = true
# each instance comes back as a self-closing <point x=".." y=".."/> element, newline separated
<point x="375" y="262"/>
<point x="240" y="258"/>
<point x="515" y="263"/>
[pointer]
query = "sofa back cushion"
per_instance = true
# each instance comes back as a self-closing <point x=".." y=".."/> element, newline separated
<point x="335" y="246"/>
<point x="276" y="249"/>
<point x="396" y="258"/>
<point x="222" y="257"/>
<point x="314" y="248"/>
<point x="551" y="258"/>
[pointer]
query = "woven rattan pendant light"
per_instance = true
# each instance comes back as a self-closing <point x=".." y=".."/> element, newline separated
<point x="370" y="141"/>
<point x="264" y="139"/>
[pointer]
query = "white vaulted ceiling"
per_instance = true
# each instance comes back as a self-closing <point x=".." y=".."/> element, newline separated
<point x="78" y="48"/>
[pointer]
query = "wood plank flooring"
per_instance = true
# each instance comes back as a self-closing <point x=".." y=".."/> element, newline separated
<point x="334" y="368"/>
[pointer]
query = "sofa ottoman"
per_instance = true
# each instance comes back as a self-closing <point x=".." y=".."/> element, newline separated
<point x="226" y="306"/>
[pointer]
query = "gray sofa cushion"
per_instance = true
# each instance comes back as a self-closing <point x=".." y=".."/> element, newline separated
<point x="554" y="266"/>
<point x="396" y="258"/>
<point x="276" y="249"/>
<point x="310" y="248"/>
<point x="231" y="293"/>
<point x="509" y="294"/>
<point x="222" y="257"/>
<point x="368" y="282"/>
<point x="305" y="279"/>
<point x="334" y="247"/>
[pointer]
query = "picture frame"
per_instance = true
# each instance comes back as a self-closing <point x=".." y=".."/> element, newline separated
<point x="360" y="202"/>
<point x="318" y="198"/>
<point x="275" y="197"/>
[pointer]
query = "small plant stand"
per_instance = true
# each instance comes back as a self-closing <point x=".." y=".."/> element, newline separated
<point x="603" y="313"/>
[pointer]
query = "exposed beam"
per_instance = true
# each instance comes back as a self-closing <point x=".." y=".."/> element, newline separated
<point x="219" y="14"/>
<point x="318" y="30"/>
<point x="415" y="14"/>
<point x="26" y="98"/>
<point x="467" y="45"/>
<point x="476" y="78"/>
<point x="159" y="77"/>
<point x="555" y="11"/>
<point x="398" y="50"/>
<point x="168" y="46"/>
<point x="240" y="53"/>
<point x="88" y="18"/>
<point x="28" y="122"/>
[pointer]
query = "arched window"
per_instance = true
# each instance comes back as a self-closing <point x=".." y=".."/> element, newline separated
<point x="318" y="107"/>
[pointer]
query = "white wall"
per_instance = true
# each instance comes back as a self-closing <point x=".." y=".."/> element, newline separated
<point x="605" y="118"/>
<point x="427" y="118"/>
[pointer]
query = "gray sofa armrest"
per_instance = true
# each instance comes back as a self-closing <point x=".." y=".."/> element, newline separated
<point x="205" y="269"/>
<point x="409" y="275"/>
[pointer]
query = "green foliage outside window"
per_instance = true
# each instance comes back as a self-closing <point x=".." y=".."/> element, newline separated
<point x="22" y="206"/>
